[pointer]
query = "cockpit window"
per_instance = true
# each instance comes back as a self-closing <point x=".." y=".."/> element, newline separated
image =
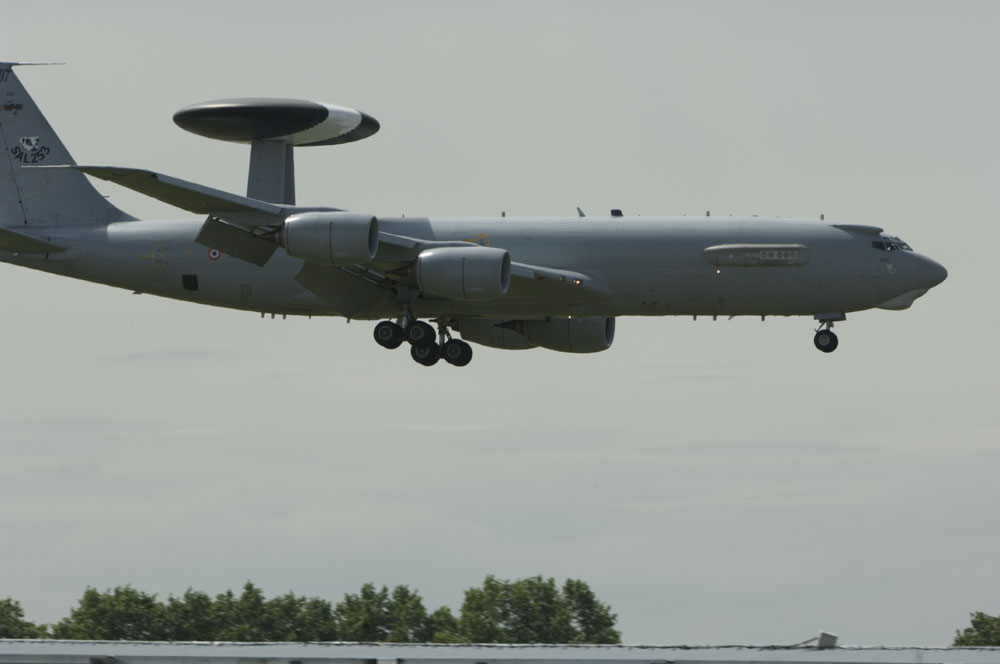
<point x="888" y="243"/>
<point x="901" y="245"/>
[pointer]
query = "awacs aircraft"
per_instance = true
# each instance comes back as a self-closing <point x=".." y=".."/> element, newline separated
<point x="501" y="282"/>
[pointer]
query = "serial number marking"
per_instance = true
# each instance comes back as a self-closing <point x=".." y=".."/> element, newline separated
<point x="29" y="156"/>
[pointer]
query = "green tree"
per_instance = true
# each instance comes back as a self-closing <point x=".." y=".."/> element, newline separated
<point x="535" y="610"/>
<point x="593" y="621"/>
<point x="444" y="627"/>
<point x="120" y="614"/>
<point x="14" y="626"/>
<point x="190" y="617"/>
<point x="984" y="631"/>
<point x="532" y="610"/>
<point x="378" y="615"/>
<point x="294" y="618"/>
<point x="242" y="618"/>
<point x="195" y="616"/>
<point x="126" y="613"/>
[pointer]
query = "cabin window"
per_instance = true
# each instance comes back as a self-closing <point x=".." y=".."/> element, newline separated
<point x="189" y="281"/>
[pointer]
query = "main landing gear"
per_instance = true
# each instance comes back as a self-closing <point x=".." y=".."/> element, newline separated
<point x="426" y="346"/>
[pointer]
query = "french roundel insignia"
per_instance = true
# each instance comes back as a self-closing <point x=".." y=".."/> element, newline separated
<point x="213" y="254"/>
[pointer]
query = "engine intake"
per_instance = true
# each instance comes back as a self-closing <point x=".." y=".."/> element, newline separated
<point x="463" y="273"/>
<point x="330" y="238"/>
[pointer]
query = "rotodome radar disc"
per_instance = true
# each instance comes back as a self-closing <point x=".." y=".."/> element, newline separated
<point x="292" y="121"/>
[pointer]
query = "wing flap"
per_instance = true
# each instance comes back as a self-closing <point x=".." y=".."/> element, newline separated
<point x="236" y="242"/>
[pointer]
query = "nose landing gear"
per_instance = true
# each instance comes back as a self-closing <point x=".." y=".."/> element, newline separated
<point x="426" y="346"/>
<point x="825" y="340"/>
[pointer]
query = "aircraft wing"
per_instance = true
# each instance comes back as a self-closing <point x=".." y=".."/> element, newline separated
<point x="235" y="222"/>
<point x="525" y="278"/>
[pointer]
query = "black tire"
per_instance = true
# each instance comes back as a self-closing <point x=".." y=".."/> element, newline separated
<point x="388" y="335"/>
<point x="826" y="341"/>
<point x="419" y="333"/>
<point x="426" y="355"/>
<point x="457" y="352"/>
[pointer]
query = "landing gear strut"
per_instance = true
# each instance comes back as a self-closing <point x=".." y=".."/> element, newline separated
<point x="426" y="346"/>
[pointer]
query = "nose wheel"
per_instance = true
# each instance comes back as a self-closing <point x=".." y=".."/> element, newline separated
<point x="426" y="345"/>
<point x="825" y="340"/>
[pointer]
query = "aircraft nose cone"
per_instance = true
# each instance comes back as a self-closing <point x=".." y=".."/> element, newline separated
<point x="930" y="273"/>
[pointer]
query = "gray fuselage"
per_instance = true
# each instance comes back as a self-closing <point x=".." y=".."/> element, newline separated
<point x="648" y="266"/>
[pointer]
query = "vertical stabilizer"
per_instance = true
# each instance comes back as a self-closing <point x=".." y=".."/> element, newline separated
<point x="40" y="197"/>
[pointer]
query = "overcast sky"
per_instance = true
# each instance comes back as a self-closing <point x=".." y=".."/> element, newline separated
<point x="714" y="482"/>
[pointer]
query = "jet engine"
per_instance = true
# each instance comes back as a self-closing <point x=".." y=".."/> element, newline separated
<point x="569" y="335"/>
<point x="463" y="273"/>
<point x="330" y="238"/>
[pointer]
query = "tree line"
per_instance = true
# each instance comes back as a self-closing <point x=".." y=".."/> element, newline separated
<point x="983" y="630"/>
<point x="531" y="610"/>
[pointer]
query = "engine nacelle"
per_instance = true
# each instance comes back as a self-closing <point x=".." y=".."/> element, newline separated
<point x="493" y="333"/>
<point x="463" y="273"/>
<point x="330" y="238"/>
<point x="571" y="335"/>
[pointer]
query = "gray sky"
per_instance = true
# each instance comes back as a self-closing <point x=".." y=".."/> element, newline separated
<point x="714" y="482"/>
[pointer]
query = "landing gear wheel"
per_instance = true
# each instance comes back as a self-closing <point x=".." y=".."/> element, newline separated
<point x="826" y="341"/>
<point x="419" y="333"/>
<point x="456" y="352"/>
<point x="426" y="355"/>
<point x="388" y="334"/>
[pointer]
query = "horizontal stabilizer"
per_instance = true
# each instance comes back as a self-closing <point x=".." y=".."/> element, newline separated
<point x="25" y="244"/>
<point x="187" y="195"/>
